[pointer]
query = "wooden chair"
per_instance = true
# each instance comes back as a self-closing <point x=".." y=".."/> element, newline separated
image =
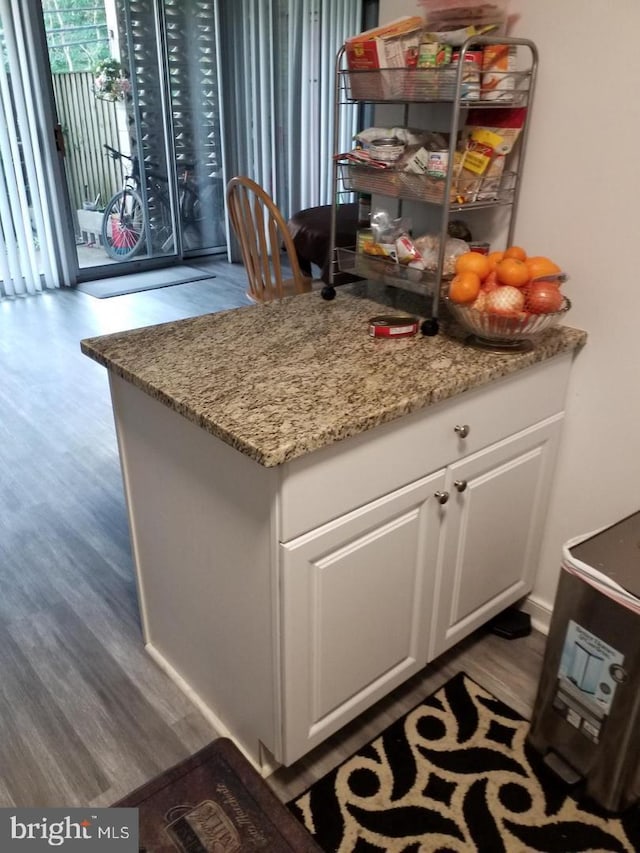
<point x="262" y="234"/>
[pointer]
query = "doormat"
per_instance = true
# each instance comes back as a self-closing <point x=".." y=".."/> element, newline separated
<point x="136" y="282"/>
<point x="456" y="774"/>
<point x="215" y="802"/>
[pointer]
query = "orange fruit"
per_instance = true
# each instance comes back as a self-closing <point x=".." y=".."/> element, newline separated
<point x="464" y="287"/>
<point x="540" y="265"/>
<point x="473" y="262"/>
<point x="494" y="258"/>
<point x="512" y="271"/>
<point x="516" y="252"/>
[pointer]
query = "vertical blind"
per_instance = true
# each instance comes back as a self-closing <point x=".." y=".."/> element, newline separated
<point x="30" y="254"/>
<point x="278" y="93"/>
<point x="317" y="29"/>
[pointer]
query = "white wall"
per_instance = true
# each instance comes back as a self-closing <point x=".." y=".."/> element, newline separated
<point x="580" y="204"/>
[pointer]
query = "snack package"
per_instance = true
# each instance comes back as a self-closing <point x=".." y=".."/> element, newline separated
<point x="362" y="157"/>
<point x="485" y="151"/>
<point x="456" y="38"/>
<point x="408" y="253"/>
<point x="408" y="135"/>
<point x="415" y="158"/>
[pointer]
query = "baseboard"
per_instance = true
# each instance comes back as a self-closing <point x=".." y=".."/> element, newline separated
<point x="540" y="613"/>
<point x="210" y="715"/>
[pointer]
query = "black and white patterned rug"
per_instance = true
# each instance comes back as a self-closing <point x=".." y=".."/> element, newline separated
<point x="455" y="774"/>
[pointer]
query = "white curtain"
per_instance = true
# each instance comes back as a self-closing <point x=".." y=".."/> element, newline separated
<point x="316" y="31"/>
<point x="31" y="257"/>
<point x="278" y="93"/>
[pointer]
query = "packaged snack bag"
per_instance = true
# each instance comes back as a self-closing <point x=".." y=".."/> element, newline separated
<point x="485" y="152"/>
<point x="497" y="61"/>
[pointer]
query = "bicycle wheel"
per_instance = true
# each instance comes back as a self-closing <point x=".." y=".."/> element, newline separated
<point x="123" y="224"/>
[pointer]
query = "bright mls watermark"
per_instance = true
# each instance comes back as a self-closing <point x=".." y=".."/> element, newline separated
<point x="37" y="830"/>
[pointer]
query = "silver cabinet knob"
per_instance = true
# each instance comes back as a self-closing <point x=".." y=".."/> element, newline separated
<point x="462" y="430"/>
<point x="460" y="485"/>
<point x="441" y="497"/>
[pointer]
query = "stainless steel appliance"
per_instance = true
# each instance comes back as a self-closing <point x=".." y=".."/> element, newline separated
<point x="586" y="718"/>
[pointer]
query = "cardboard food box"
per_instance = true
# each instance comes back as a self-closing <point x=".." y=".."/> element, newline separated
<point x="497" y="83"/>
<point x="377" y="49"/>
<point x="368" y="50"/>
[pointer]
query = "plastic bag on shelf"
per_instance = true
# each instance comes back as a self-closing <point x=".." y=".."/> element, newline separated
<point x="385" y="231"/>
<point x="457" y="37"/>
<point x="392" y="241"/>
<point x="407" y="135"/>
<point x="429" y="244"/>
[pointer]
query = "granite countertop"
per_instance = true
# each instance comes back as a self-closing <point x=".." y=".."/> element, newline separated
<point x="280" y="380"/>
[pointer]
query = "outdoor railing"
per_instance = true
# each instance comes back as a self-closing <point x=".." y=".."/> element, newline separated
<point x="87" y="123"/>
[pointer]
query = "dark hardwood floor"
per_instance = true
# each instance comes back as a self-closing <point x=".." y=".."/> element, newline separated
<point x="85" y="714"/>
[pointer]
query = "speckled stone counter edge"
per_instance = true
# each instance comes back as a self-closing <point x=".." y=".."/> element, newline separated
<point x="268" y="428"/>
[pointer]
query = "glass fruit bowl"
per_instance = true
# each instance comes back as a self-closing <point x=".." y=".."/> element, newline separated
<point x="494" y="331"/>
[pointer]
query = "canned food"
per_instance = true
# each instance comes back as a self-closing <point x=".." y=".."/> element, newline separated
<point x="393" y="327"/>
<point x="433" y="55"/>
<point x="387" y="149"/>
<point x="427" y="54"/>
<point x="438" y="164"/>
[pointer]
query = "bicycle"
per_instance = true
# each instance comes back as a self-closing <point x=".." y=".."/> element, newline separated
<point x="125" y="221"/>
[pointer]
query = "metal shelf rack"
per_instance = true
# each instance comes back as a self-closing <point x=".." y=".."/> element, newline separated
<point x="408" y="87"/>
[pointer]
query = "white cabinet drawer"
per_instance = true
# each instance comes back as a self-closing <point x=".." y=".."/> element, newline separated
<point x="326" y="484"/>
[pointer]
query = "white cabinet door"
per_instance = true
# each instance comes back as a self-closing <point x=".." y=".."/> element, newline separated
<point x="492" y="529"/>
<point x="357" y="598"/>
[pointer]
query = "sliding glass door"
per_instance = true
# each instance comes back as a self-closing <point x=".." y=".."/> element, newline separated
<point x="135" y="85"/>
<point x="193" y="67"/>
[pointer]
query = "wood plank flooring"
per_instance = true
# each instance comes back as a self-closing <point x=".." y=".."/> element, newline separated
<point x="85" y="714"/>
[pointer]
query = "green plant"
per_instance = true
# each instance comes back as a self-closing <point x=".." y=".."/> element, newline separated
<point x="110" y="82"/>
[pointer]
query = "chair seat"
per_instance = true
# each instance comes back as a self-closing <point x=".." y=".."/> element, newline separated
<point x="289" y="288"/>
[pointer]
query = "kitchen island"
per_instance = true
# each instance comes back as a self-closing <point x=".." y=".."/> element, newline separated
<point x="315" y="514"/>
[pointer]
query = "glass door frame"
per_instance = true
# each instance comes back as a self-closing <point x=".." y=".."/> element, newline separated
<point x="76" y="272"/>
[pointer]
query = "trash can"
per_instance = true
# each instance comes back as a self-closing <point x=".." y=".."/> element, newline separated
<point x="586" y="717"/>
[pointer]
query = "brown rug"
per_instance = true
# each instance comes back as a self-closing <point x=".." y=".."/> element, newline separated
<point x="215" y="802"/>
